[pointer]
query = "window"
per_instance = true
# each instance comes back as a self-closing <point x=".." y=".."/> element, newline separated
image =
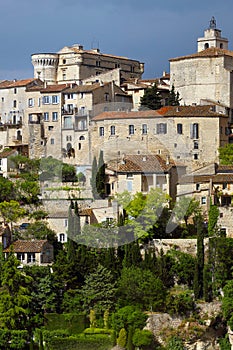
<point x="55" y="99"/>
<point x="46" y="116"/>
<point x="30" y="102"/>
<point x="194" y="131"/>
<point x="198" y="187"/>
<point x="144" y="129"/>
<point x="14" y="103"/>
<point x="46" y="100"/>
<point x="195" y="156"/>
<point x="61" y="237"/>
<point x="81" y="94"/>
<point x="52" y="142"/>
<point x="64" y="76"/>
<point x="21" y="256"/>
<point x="161" y="128"/>
<point x="180" y="129"/>
<point x="112" y="130"/>
<point x="131" y="129"/>
<point x="68" y="138"/>
<point x="129" y="186"/>
<point x="97" y="63"/>
<point x="203" y="200"/>
<point x="129" y="175"/>
<point x="64" y="61"/>
<point x="30" y="118"/>
<point x="101" y="131"/>
<point x="2" y="99"/>
<point x="55" y="116"/>
<point x="15" y="91"/>
<point x="195" y="145"/>
<point x="66" y="222"/>
<point x="31" y="257"/>
<point x="106" y="96"/>
<point x="50" y="128"/>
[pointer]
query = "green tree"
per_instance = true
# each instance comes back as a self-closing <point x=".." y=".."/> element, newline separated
<point x="141" y="288"/>
<point x="226" y="154"/>
<point x="173" y="97"/>
<point x="28" y="191"/>
<point x="183" y="267"/>
<point x="14" y="296"/>
<point x="68" y="173"/>
<point x="142" y="338"/>
<point x="185" y="208"/>
<point x="11" y="211"/>
<point x="213" y="219"/>
<point x="99" y="290"/>
<point x="94" y="171"/>
<point x="128" y="316"/>
<point x="100" y="176"/>
<point x="40" y="230"/>
<point x="7" y="189"/>
<point x="121" y="340"/>
<point x="199" y="267"/>
<point x="151" y="98"/>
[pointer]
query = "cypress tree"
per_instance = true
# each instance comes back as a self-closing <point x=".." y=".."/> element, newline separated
<point x="199" y="268"/>
<point x="151" y="98"/>
<point x="173" y="98"/>
<point x="100" y="176"/>
<point x="93" y="178"/>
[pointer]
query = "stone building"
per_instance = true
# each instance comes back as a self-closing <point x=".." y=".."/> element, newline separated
<point x="74" y="64"/>
<point x="205" y="77"/>
<point x="191" y="135"/>
<point x="211" y="183"/>
<point x="140" y="173"/>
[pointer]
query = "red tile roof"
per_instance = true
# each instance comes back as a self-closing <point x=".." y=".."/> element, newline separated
<point x="22" y="246"/>
<point x="16" y="83"/>
<point x="127" y="115"/>
<point x="141" y="164"/>
<point x="189" y="111"/>
<point x="210" y="52"/>
<point x="54" y="88"/>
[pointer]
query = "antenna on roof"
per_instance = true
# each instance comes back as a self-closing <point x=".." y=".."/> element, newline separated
<point x="95" y="44"/>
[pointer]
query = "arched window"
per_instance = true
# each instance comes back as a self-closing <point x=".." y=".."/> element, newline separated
<point x="206" y="46"/>
<point x="82" y="138"/>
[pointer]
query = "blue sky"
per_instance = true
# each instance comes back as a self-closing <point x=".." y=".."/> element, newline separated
<point x="151" y="31"/>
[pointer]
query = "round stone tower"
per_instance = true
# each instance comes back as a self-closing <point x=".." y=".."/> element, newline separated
<point x="45" y="66"/>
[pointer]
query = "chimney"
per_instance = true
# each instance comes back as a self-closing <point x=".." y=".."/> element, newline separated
<point x="167" y="160"/>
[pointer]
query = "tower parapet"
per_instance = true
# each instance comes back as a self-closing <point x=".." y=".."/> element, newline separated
<point x="45" y="66"/>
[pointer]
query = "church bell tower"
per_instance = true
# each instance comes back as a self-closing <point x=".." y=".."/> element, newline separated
<point x="212" y="38"/>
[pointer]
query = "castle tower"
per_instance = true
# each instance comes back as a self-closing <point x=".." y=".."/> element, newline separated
<point x="45" y="66"/>
<point x="212" y="38"/>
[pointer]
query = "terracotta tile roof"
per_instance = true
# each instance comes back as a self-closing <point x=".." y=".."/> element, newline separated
<point x="140" y="164"/>
<point x="189" y="111"/>
<point x="127" y="115"/>
<point x="7" y="153"/>
<point x="225" y="169"/>
<point x="210" y="52"/>
<point x="22" y="246"/>
<point x="16" y="83"/>
<point x="75" y="49"/>
<point x="54" y="88"/>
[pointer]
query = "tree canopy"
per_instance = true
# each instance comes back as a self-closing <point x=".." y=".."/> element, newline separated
<point x="151" y="98"/>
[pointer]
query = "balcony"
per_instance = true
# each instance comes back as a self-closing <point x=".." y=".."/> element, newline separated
<point x="66" y="110"/>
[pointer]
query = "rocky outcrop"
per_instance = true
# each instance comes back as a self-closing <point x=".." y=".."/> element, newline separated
<point x="199" y="333"/>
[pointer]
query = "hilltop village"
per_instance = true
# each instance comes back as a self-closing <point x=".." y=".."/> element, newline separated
<point x="92" y="156"/>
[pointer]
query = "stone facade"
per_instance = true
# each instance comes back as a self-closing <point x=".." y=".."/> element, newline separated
<point x="207" y="74"/>
<point x="74" y="64"/>
<point x="176" y="132"/>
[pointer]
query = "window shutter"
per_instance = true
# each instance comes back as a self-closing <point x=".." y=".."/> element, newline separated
<point x="191" y="131"/>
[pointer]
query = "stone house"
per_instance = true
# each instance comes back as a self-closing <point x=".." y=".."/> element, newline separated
<point x="211" y="183"/>
<point x="140" y="173"/>
<point x="38" y="252"/>
<point x="191" y="134"/>
<point x="207" y="74"/>
<point x="73" y="64"/>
